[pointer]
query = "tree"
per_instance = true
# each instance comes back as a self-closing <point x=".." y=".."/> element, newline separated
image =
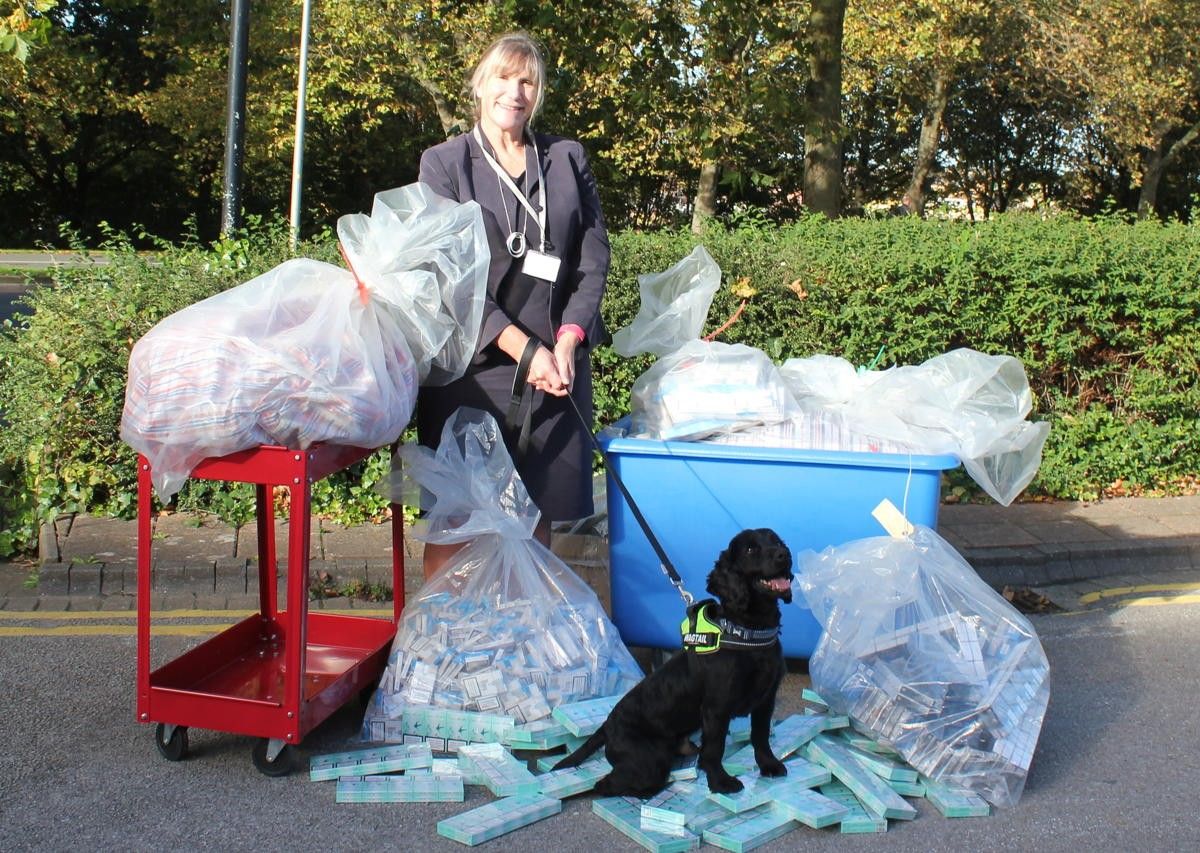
<point x="365" y="121"/>
<point x="372" y="45"/>
<point x="879" y="135"/>
<point x="1006" y="138"/>
<point x="823" y="126"/>
<point x="623" y="96"/>
<point x="686" y="100"/>
<point x="1137" y="62"/>
<point x="72" y="142"/>
<point x="928" y="46"/>
<point x="193" y="40"/>
<point x="386" y="80"/>
<point x="742" y="75"/>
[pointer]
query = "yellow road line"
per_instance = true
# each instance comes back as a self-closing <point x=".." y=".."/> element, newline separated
<point x="1119" y="591"/>
<point x="62" y="615"/>
<point x="1159" y="600"/>
<point x="194" y="630"/>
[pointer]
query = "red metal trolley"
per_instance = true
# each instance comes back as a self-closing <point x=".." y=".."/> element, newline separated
<point x="277" y="674"/>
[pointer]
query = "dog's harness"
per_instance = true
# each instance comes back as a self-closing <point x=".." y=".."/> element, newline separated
<point x="703" y="634"/>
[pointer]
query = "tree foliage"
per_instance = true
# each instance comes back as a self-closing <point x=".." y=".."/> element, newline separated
<point x="1007" y="141"/>
<point x="926" y="51"/>
<point x="23" y="26"/>
<point x="1136" y="63"/>
<point x="72" y="141"/>
<point x="686" y="106"/>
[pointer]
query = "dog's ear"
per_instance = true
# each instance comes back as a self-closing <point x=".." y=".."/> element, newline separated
<point x="727" y="584"/>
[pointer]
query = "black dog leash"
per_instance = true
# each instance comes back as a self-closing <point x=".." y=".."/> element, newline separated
<point x="665" y="562"/>
<point x="520" y="391"/>
<point x="521" y="426"/>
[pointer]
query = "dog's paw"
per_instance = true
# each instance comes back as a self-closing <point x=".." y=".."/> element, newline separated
<point x="774" y="767"/>
<point x="725" y="784"/>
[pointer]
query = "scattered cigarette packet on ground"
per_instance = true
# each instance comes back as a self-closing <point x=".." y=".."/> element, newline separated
<point x="839" y="779"/>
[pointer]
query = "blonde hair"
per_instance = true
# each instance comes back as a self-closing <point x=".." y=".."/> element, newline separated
<point x="507" y="53"/>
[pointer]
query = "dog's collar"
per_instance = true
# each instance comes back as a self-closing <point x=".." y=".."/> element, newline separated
<point x="741" y="635"/>
<point x="704" y="635"/>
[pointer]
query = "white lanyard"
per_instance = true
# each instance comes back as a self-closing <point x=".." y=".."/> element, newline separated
<point x="539" y="212"/>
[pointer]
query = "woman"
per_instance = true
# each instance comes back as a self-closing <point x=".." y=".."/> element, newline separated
<point x="549" y="267"/>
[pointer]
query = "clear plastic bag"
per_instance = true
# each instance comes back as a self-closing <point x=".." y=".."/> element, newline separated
<point x="427" y="257"/>
<point x="707" y="388"/>
<point x="306" y="353"/>
<point x="925" y="655"/>
<point x="964" y="402"/>
<point x="696" y="388"/>
<point x="811" y="430"/>
<point x="506" y="627"/>
<point x="674" y="306"/>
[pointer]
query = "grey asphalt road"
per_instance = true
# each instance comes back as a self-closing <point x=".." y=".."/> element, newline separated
<point x="13" y="284"/>
<point x="39" y="260"/>
<point x="10" y="291"/>
<point x="1116" y="767"/>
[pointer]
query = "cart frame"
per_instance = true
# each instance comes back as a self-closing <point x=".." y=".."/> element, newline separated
<point x="247" y="679"/>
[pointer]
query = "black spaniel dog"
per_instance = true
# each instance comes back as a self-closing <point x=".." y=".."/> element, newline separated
<point x="708" y="683"/>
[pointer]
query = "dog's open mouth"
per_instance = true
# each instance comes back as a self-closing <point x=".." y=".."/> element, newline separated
<point x="779" y="585"/>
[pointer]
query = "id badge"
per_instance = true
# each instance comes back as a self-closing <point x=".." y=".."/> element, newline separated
<point x="540" y="265"/>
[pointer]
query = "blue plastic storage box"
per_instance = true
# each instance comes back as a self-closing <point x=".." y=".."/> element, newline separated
<point x="696" y="496"/>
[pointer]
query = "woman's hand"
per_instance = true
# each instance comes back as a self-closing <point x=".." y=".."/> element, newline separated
<point x="544" y="372"/>
<point x="564" y="357"/>
<point x="552" y="372"/>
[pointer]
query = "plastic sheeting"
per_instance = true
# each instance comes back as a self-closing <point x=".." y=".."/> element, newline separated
<point x="696" y="388"/>
<point x="707" y="388"/>
<point x="506" y="627"/>
<point x="964" y="402"/>
<point x="922" y="653"/>
<point x="674" y="305"/>
<point x="306" y="352"/>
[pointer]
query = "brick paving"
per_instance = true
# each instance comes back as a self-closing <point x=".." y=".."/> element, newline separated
<point x="201" y="563"/>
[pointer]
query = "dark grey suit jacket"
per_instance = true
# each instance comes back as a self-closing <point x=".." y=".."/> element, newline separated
<point x="575" y="227"/>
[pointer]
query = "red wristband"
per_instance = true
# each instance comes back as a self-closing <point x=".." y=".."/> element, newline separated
<point x="571" y="327"/>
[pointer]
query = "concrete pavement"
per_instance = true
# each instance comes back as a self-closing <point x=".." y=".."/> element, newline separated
<point x="202" y="563"/>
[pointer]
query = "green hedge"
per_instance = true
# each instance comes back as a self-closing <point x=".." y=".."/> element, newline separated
<point x="62" y="384"/>
<point x="1102" y="313"/>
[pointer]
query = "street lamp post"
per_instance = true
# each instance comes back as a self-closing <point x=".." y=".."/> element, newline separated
<point x="235" y="116"/>
<point x="298" y="147"/>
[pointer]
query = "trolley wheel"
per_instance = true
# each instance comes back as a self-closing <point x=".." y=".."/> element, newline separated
<point x="281" y="766"/>
<point x="175" y="747"/>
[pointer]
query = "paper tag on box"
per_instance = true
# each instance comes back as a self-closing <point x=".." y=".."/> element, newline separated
<point x="892" y="520"/>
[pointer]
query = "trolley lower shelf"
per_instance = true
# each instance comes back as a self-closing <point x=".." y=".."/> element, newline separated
<point x="235" y="682"/>
<point x="281" y="672"/>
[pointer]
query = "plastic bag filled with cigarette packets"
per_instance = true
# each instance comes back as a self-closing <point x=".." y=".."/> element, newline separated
<point x="311" y="352"/>
<point x="921" y="652"/>
<point x="505" y="627"/>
